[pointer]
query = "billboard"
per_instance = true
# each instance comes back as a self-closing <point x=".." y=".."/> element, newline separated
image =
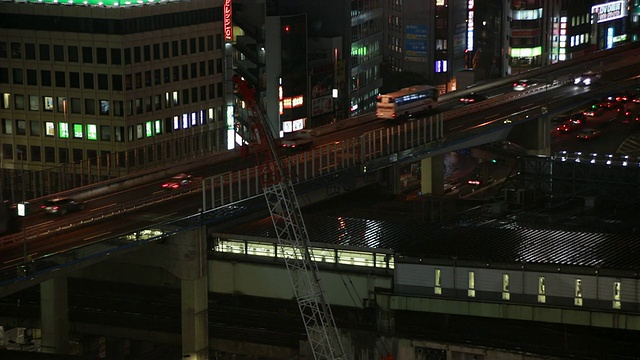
<point x="609" y="11"/>
<point x="416" y="40"/>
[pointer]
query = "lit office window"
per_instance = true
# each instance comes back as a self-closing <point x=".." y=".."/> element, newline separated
<point x="194" y="119"/>
<point x="617" y="304"/>
<point x="49" y="128"/>
<point x="471" y="292"/>
<point x="158" y="126"/>
<point x="438" y="282"/>
<point x="505" y="287"/>
<point x="77" y="131"/>
<point x="578" y="293"/>
<point x="63" y="130"/>
<point x="176" y="123"/>
<point x="185" y="121"/>
<point x="92" y="132"/>
<point x="542" y="290"/>
<point x="148" y="129"/>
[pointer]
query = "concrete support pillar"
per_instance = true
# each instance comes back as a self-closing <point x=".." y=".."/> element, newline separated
<point x="191" y="266"/>
<point x="54" y="308"/>
<point x="432" y="175"/>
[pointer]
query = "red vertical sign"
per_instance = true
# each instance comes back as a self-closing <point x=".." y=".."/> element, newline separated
<point x="228" y="26"/>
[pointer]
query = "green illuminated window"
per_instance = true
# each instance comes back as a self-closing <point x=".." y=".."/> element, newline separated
<point x="148" y="129"/>
<point x="92" y="132"/>
<point x="63" y="130"/>
<point x="77" y="131"/>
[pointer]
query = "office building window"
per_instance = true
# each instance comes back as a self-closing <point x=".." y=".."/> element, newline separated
<point x="32" y="77"/>
<point x="18" y="102"/>
<point x="147" y="53"/>
<point x="103" y="82"/>
<point x="36" y="153"/>
<point x="116" y="56"/>
<point x="542" y="290"/>
<point x="34" y="103"/>
<point x="45" y="77"/>
<point x="17" y="76"/>
<point x="89" y="106"/>
<point x="78" y="131"/>
<point x="16" y="50"/>
<point x="105" y="133"/>
<point x="117" y="108"/>
<point x="21" y="127"/>
<point x="30" y="51"/>
<point x="437" y="282"/>
<point x="174" y="48"/>
<point x="49" y="129"/>
<point x="44" y="52"/>
<point x="87" y="54"/>
<point x="88" y="80"/>
<point x="7" y="151"/>
<point x="137" y="55"/>
<point x="471" y="291"/>
<point x="127" y="56"/>
<point x="101" y="55"/>
<point x="192" y="46"/>
<point x="76" y="106"/>
<point x="116" y="81"/>
<point x="156" y="51"/>
<point x="183" y="47"/>
<point x="185" y="72"/>
<point x="72" y="54"/>
<point x="165" y="50"/>
<point x="209" y="42"/>
<point x="63" y="130"/>
<point x="49" y="154"/>
<point x="104" y="107"/>
<point x="34" y="128"/>
<point x="58" y="53"/>
<point x="147" y="78"/>
<point x="506" y="295"/>
<point x="185" y="96"/>
<point x="74" y="80"/>
<point x="48" y="103"/>
<point x="7" y="126"/>
<point x="60" y="80"/>
<point x="139" y="108"/>
<point x="4" y="75"/>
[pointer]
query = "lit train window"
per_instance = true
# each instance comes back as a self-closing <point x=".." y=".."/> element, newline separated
<point x="505" y="287"/>
<point x="472" y="284"/>
<point x="542" y="290"/>
<point x="616" y="295"/>
<point x="438" y="282"/>
<point x="578" y="293"/>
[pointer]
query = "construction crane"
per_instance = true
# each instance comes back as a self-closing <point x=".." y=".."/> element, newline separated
<point x="292" y="234"/>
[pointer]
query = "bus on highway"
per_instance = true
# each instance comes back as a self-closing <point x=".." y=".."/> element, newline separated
<point x="407" y="102"/>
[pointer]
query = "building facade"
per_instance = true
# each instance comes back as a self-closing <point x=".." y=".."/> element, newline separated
<point x="110" y="87"/>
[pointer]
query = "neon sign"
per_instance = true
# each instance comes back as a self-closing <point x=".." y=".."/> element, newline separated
<point x="228" y="27"/>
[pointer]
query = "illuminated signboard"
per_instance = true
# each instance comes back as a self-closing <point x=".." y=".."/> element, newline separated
<point x="114" y="3"/>
<point x="292" y="102"/>
<point x="526" y="52"/>
<point x="609" y="11"/>
<point x="228" y="26"/>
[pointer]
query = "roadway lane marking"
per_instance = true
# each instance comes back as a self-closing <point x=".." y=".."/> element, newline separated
<point x="164" y="216"/>
<point x="95" y="236"/>
<point x="40" y="224"/>
<point x="102" y="207"/>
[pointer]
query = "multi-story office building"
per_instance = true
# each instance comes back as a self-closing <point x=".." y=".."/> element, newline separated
<point x="108" y="85"/>
<point x="542" y="32"/>
<point x="429" y="38"/>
